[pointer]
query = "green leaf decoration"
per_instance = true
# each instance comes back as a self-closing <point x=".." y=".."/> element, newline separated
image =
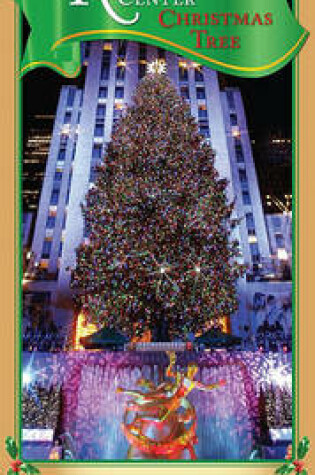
<point x="281" y="470"/>
<point x="304" y="472"/>
<point x="290" y="468"/>
<point x="10" y="471"/>
<point x="29" y="469"/>
<point x="303" y="448"/>
<point x="11" y="447"/>
<point x="287" y="468"/>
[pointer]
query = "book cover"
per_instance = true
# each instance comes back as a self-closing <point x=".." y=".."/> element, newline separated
<point x="156" y="251"/>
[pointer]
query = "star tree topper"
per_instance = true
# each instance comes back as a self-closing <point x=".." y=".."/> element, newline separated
<point x="158" y="66"/>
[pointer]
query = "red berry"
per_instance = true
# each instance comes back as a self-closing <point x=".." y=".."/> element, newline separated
<point x="298" y="466"/>
<point x="15" y="465"/>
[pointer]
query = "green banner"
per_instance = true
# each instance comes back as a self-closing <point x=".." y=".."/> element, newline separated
<point x="249" y="38"/>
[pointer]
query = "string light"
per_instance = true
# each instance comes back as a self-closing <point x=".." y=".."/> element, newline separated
<point x="157" y="210"/>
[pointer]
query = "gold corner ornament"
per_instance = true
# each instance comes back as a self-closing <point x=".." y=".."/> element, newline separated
<point x="257" y="38"/>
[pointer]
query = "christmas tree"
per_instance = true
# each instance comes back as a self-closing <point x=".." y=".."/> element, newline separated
<point x="159" y="256"/>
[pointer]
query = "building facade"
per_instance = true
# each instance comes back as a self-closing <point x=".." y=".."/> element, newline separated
<point x="279" y="226"/>
<point x="36" y="150"/>
<point x="83" y="125"/>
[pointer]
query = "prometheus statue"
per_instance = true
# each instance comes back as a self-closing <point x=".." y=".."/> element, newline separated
<point x="159" y="421"/>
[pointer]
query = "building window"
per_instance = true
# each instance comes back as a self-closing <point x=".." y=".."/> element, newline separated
<point x="239" y="155"/>
<point x="54" y="197"/>
<point x="202" y="112"/>
<point x="105" y="72"/>
<point x="51" y="221"/>
<point x="100" y="111"/>
<point x="142" y="51"/>
<point x="254" y="250"/>
<point x="242" y="175"/>
<point x="87" y="49"/>
<point x="276" y="221"/>
<point x="122" y="47"/>
<point x="97" y="151"/>
<point x="68" y="192"/>
<point x="142" y="70"/>
<point x="233" y="119"/>
<point x="120" y="73"/>
<point x="183" y="73"/>
<point x="204" y="130"/>
<point x="161" y="53"/>
<point x="61" y="155"/>
<point x="99" y="130"/>
<point x="70" y="97"/>
<point x="246" y="198"/>
<point x="81" y="98"/>
<point x="199" y="74"/>
<point x="107" y="50"/>
<point x="105" y="65"/>
<point x="63" y="140"/>
<point x="230" y="99"/>
<point x="201" y="93"/>
<point x="67" y="118"/>
<point x="119" y="92"/>
<point x="184" y="92"/>
<point x="238" y="150"/>
<point x="279" y="240"/>
<point x="102" y="92"/>
<point x="58" y="176"/>
<point x="46" y="249"/>
<point x="250" y="223"/>
<point x="74" y="150"/>
<point x="118" y="111"/>
<point x="93" y="174"/>
<point x="243" y="179"/>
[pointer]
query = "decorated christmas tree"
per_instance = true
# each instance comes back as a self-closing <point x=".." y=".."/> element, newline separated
<point x="159" y="257"/>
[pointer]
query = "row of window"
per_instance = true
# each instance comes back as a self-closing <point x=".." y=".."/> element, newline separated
<point x="54" y="197"/>
<point x="279" y="240"/>
<point x="183" y="74"/>
<point x="200" y="92"/>
<point x="51" y="222"/>
<point x="119" y="92"/>
<point x="204" y="129"/>
<point x="46" y="251"/>
<point x="238" y="150"/>
<point x="254" y="250"/>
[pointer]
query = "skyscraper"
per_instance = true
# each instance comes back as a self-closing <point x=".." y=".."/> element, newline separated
<point x="83" y="126"/>
<point x="36" y="149"/>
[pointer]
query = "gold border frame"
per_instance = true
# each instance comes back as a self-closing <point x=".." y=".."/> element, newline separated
<point x="306" y="261"/>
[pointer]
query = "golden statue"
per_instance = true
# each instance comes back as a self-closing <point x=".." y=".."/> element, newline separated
<point x="159" y="421"/>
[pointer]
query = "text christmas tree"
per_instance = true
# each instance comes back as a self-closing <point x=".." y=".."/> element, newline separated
<point x="160" y="255"/>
